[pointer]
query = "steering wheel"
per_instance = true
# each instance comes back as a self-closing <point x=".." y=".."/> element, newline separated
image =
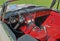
<point x="18" y="20"/>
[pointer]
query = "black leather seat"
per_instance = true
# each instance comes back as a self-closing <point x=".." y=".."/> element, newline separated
<point x="26" y="38"/>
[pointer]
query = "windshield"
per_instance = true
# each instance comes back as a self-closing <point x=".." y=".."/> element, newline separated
<point x="46" y="3"/>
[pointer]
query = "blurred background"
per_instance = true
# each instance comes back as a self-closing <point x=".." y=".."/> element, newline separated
<point x="37" y="2"/>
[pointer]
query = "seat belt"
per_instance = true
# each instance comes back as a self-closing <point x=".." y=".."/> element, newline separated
<point x="58" y="4"/>
<point x="53" y="3"/>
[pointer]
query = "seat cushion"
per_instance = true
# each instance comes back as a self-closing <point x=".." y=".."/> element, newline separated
<point x="26" y="38"/>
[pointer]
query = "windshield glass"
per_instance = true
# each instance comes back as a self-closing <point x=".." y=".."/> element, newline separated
<point x="46" y="3"/>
